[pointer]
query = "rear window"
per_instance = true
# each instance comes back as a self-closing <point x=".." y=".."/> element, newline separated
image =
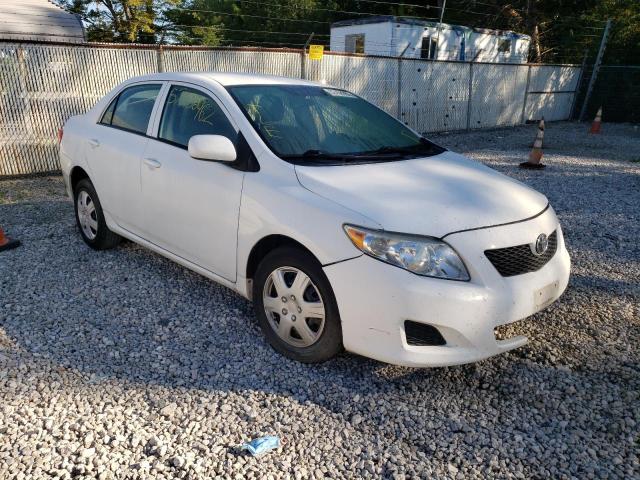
<point x="131" y="110"/>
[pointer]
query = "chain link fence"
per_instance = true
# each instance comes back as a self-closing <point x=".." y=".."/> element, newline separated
<point x="41" y="85"/>
<point x="616" y="90"/>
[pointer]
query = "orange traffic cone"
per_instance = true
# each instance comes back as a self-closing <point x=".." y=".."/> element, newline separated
<point x="536" y="152"/>
<point x="595" y="126"/>
<point x="6" y="243"/>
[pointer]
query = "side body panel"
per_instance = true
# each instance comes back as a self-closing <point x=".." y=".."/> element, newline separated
<point x="115" y="167"/>
<point x="274" y="203"/>
<point x="191" y="207"/>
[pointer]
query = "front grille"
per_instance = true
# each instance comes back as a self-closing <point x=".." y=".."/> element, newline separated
<point x="520" y="259"/>
<point x="422" y="334"/>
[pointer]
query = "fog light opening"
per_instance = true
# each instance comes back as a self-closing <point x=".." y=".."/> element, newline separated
<point x="423" y="335"/>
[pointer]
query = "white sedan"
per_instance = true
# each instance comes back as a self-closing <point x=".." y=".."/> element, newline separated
<point x="345" y="228"/>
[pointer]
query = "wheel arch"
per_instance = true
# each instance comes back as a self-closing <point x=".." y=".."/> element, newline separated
<point x="77" y="173"/>
<point x="266" y="245"/>
<point x="327" y="343"/>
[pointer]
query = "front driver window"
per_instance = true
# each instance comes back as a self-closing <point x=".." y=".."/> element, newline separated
<point x="189" y="112"/>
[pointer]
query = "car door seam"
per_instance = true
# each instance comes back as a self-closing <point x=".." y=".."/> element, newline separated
<point x="244" y="176"/>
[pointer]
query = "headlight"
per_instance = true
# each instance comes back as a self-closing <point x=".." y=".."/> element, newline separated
<point x="421" y="255"/>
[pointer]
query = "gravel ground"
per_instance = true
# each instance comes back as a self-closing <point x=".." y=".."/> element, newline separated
<point x="121" y="364"/>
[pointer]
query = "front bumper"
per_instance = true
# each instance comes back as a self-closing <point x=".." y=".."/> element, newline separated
<point x="375" y="299"/>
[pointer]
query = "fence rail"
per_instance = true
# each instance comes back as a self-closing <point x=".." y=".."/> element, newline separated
<point x="41" y="85"/>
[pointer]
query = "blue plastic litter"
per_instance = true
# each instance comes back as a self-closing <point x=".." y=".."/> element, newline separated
<point x="260" y="446"/>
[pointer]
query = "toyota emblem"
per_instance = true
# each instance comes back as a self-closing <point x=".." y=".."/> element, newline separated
<point x="541" y="245"/>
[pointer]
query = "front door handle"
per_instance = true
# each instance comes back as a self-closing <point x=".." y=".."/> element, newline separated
<point x="152" y="162"/>
<point x="94" y="142"/>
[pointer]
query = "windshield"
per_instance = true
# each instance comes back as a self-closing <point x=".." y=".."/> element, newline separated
<point x="309" y="124"/>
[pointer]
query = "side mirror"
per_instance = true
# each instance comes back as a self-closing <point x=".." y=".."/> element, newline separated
<point x="212" y="147"/>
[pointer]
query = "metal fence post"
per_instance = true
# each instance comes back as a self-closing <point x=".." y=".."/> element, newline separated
<point x="160" y="56"/>
<point x="526" y="94"/>
<point x="470" y="96"/>
<point x="596" y="67"/>
<point x="23" y="129"/>
<point x="578" y="85"/>
<point x="303" y="58"/>
<point x="24" y="91"/>
<point x="399" y="81"/>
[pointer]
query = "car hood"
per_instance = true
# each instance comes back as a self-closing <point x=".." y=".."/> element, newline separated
<point x="431" y="196"/>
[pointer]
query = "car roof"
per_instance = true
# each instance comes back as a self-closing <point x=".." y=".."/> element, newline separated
<point x="226" y="79"/>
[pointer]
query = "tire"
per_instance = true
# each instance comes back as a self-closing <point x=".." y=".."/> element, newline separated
<point x="320" y="340"/>
<point x="90" y="218"/>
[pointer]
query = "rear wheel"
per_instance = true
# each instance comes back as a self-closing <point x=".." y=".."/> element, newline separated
<point x="90" y="218"/>
<point x="295" y="306"/>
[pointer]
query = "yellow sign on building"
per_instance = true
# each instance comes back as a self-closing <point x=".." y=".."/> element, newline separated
<point x="316" y="52"/>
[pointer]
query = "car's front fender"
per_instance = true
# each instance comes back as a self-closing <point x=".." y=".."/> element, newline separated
<point x="279" y="205"/>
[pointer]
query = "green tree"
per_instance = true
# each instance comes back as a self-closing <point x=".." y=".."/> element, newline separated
<point x="623" y="45"/>
<point x="121" y="20"/>
<point x="561" y="30"/>
<point x="270" y="22"/>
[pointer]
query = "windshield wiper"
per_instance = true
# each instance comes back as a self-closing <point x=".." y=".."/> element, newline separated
<point x="311" y="155"/>
<point x="318" y="154"/>
<point x="389" y="149"/>
<point x="387" y="152"/>
<point x="425" y="147"/>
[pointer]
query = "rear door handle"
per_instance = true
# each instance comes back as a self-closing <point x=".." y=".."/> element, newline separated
<point x="152" y="162"/>
<point x="94" y="142"/>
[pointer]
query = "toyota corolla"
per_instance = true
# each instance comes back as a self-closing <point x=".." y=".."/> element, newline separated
<point x="345" y="228"/>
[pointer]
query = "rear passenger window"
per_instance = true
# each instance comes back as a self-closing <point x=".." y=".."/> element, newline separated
<point x="108" y="113"/>
<point x="133" y="108"/>
<point x="189" y="112"/>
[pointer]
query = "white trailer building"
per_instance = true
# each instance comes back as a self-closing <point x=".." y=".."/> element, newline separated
<point x="407" y="37"/>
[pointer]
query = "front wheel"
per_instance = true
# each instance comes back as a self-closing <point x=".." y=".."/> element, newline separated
<point x="295" y="306"/>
